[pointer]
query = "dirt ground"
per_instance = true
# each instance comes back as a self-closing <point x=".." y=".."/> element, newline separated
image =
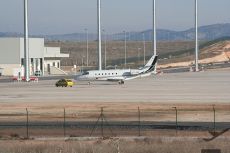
<point x="133" y="145"/>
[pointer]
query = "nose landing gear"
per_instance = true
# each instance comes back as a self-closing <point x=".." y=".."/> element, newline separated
<point x="121" y="82"/>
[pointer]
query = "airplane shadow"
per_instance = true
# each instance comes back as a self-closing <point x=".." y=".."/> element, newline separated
<point x="100" y="84"/>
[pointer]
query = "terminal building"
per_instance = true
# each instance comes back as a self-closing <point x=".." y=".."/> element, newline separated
<point x="43" y="60"/>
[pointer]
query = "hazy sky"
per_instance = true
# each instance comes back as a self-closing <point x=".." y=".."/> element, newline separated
<point x="70" y="16"/>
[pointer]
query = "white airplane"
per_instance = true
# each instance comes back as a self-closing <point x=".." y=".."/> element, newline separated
<point x="119" y="75"/>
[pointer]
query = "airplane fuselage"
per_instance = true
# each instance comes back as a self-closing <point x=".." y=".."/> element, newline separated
<point x="119" y="75"/>
<point x="109" y="74"/>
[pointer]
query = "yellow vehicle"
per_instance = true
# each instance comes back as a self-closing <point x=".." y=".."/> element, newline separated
<point x="64" y="83"/>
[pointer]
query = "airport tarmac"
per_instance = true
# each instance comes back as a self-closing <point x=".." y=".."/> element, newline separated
<point x="202" y="87"/>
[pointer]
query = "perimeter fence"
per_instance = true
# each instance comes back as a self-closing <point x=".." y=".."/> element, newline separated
<point x="108" y="122"/>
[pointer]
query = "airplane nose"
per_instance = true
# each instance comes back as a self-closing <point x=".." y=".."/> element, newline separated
<point x="80" y="77"/>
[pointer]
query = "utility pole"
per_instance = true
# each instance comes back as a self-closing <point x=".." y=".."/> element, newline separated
<point x="82" y="64"/>
<point x="105" y="47"/>
<point x="103" y="121"/>
<point x="197" y="43"/>
<point x="27" y="124"/>
<point x="139" y="122"/>
<point x="64" y="124"/>
<point x="87" y="47"/>
<point x="176" y="118"/>
<point x="144" y="45"/>
<point x="214" y="119"/>
<point x="26" y="43"/>
<point x="99" y="33"/>
<point x="125" y="48"/>
<point x="154" y="31"/>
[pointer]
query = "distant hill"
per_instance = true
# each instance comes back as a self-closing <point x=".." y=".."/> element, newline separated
<point x="209" y="32"/>
<point x="9" y="34"/>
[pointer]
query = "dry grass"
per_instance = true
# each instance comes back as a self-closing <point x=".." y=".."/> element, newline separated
<point x="159" y="141"/>
<point x="172" y="51"/>
<point x="114" y="112"/>
<point x="111" y="146"/>
<point x="115" y="51"/>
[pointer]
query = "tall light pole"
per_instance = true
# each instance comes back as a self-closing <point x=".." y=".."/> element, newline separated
<point x="26" y="43"/>
<point x="197" y="43"/>
<point x="154" y="30"/>
<point x="82" y="63"/>
<point x="138" y="54"/>
<point x="99" y="33"/>
<point x="105" y="47"/>
<point x="125" y="48"/>
<point x="144" y="46"/>
<point x="87" y="47"/>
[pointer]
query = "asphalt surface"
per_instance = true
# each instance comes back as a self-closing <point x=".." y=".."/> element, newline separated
<point x="202" y="87"/>
<point x="193" y="126"/>
<point x="9" y="79"/>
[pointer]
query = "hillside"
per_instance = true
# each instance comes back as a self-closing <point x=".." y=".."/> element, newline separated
<point x="209" y="32"/>
<point x="210" y="52"/>
<point x="180" y="53"/>
<point x="115" y="51"/>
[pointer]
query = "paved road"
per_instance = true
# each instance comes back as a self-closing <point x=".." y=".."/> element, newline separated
<point x="203" y="87"/>
<point x="197" y="126"/>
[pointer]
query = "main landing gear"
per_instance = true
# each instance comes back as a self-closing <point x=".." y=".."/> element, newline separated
<point x="121" y="82"/>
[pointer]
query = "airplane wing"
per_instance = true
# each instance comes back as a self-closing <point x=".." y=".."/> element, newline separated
<point x="115" y="78"/>
<point x="131" y="77"/>
<point x="138" y="76"/>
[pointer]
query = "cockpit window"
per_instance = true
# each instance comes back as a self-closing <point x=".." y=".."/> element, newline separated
<point x="85" y="73"/>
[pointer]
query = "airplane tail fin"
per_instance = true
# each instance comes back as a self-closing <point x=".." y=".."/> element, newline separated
<point x="150" y="66"/>
<point x="152" y="61"/>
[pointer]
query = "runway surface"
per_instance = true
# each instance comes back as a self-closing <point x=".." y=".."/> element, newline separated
<point x="202" y="87"/>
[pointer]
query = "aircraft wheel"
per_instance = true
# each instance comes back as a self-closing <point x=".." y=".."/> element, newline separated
<point x="121" y="82"/>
